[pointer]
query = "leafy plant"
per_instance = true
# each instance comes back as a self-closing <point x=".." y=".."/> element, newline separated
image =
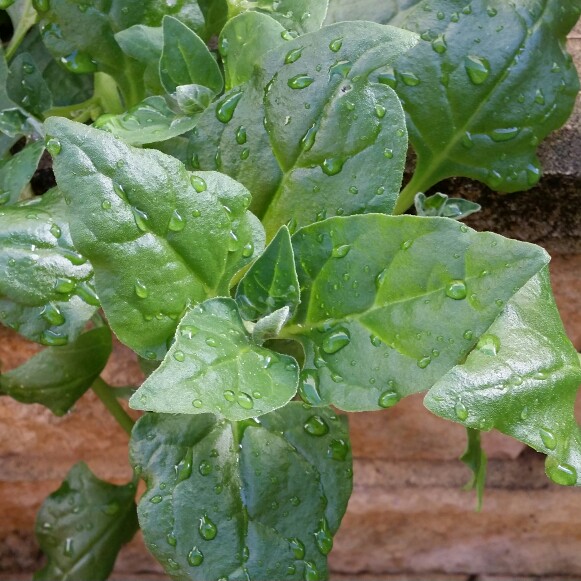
<point x="236" y="213"/>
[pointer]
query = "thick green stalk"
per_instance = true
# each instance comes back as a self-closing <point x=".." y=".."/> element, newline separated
<point x="106" y="394"/>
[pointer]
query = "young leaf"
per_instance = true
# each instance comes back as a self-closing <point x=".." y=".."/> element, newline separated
<point x="82" y="526"/>
<point x="495" y="105"/>
<point x="26" y="86"/>
<point x="252" y="500"/>
<point x="158" y="236"/>
<point x="271" y="282"/>
<point x="389" y="304"/>
<point x="15" y="172"/>
<point x="186" y="60"/>
<point x="521" y="379"/>
<point x="441" y="205"/>
<point x="240" y="56"/>
<point x="338" y="137"/>
<point x="214" y="367"/>
<point x="58" y="376"/>
<point x="144" y="44"/>
<point x="193" y="98"/>
<point x="475" y="458"/>
<point x="296" y="16"/>
<point x="151" y="121"/>
<point x="270" y="326"/>
<point x="46" y="291"/>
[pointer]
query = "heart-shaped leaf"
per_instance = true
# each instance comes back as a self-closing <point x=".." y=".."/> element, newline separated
<point x="256" y="499"/>
<point x="214" y="366"/>
<point x="158" y="236"/>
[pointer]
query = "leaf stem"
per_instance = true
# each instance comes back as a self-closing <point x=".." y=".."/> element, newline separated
<point x="106" y="394"/>
<point x="27" y="20"/>
<point x="420" y="182"/>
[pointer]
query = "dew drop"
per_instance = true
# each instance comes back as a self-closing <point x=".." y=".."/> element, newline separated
<point x="560" y="473"/>
<point x="311" y="572"/>
<point x="309" y="387"/>
<point x="183" y="469"/>
<point x="245" y="401"/>
<point x="380" y="111"/>
<point x="205" y="468"/>
<point x="198" y="183"/>
<point x="316" y="426"/>
<point x="424" y="362"/>
<point x="197" y="403"/>
<point x="297" y="547"/>
<point x="293" y="55"/>
<point x="388" y="399"/>
<point x="79" y="62"/>
<point x="176" y="222"/>
<point x="248" y="250"/>
<point x="226" y="107"/>
<point x="53" y="315"/>
<point x="341" y="251"/>
<point x="141" y="219"/>
<point x="504" y="134"/>
<point x="335" y="341"/>
<point x="461" y="411"/>
<point x="324" y="538"/>
<point x="179" y="356"/>
<point x="338" y="450"/>
<point x="141" y="290"/>
<point x="477" y="68"/>
<point x="439" y="44"/>
<point x="488" y="344"/>
<point x="207" y="528"/>
<point x="300" y="81"/>
<point x="335" y="45"/>
<point x="468" y="334"/>
<point x="156" y="499"/>
<point x="388" y="153"/>
<point x="548" y="438"/>
<point x="308" y="139"/>
<point x="456" y="289"/>
<point x="409" y="79"/>
<point x="332" y="166"/>
<point x="64" y="285"/>
<point x="211" y="342"/>
<point x="195" y="557"/>
<point x="53" y="146"/>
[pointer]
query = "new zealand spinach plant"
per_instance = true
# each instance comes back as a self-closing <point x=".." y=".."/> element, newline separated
<point x="229" y="195"/>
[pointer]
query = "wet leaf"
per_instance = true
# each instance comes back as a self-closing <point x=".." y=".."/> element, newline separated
<point x="217" y="489"/>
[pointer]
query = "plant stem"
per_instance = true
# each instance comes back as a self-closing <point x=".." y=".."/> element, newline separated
<point x="27" y="20"/>
<point x="420" y="182"/>
<point x="106" y="394"/>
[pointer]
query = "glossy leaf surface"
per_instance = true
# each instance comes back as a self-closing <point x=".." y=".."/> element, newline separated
<point x="338" y="137"/>
<point x="521" y="379"/>
<point x="26" y="86"/>
<point x="495" y="104"/>
<point x="186" y="60"/>
<point x="271" y="282"/>
<point x="151" y="121"/>
<point x="15" y="172"/>
<point x="389" y="304"/>
<point x="214" y="367"/>
<point x="83" y="544"/>
<point x="238" y="54"/>
<point x="158" y="236"/>
<point x="46" y="292"/>
<point x="58" y="376"/>
<point x="256" y="499"/>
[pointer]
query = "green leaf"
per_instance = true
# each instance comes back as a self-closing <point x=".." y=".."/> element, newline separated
<point x="58" y="376"/>
<point x="297" y="16"/>
<point x="495" y="106"/>
<point x="15" y="172"/>
<point x="252" y="500"/>
<point x="23" y="17"/>
<point x="144" y="44"/>
<point x="158" y="236"/>
<point x="151" y="121"/>
<point x="82" y="526"/>
<point x="238" y="54"/>
<point x="335" y="140"/>
<point x="441" y="205"/>
<point x="271" y="282"/>
<point x="270" y="326"/>
<point x="46" y="291"/>
<point x="384" y="12"/>
<point x="389" y="304"/>
<point x="521" y="379"/>
<point x="186" y="60"/>
<point x="193" y="98"/>
<point x="214" y="367"/>
<point x="475" y="458"/>
<point x="26" y="86"/>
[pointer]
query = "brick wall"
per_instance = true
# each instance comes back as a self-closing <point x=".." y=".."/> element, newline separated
<point x="408" y="517"/>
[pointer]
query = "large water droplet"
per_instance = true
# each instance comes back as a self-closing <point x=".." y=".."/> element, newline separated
<point x="424" y="362"/>
<point x="316" y="426"/>
<point x="300" y="81"/>
<point x="477" y="68"/>
<point x="183" y="470"/>
<point x="141" y="290"/>
<point x="548" y="438"/>
<point x="205" y="468"/>
<point x="64" y="285"/>
<point x="341" y="68"/>
<point x="308" y="139"/>
<point x="332" y="166"/>
<point x="52" y="314"/>
<point x="461" y="411"/>
<point x="504" y="134"/>
<point x="297" y="547"/>
<point x="388" y="399"/>
<point x="140" y="218"/>
<point x="198" y="183"/>
<point x="410" y="79"/>
<point x="293" y="55"/>
<point x="79" y="62"/>
<point x="53" y="146"/>
<point x="338" y="450"/>
<point x="341" y="251"/>
<point x="336" y="340"/>
<point x="176" y="222"/>
<point x="456" y="289"/>
<point x="179" y="356"/>
<point x="439" y="44"/>
<point x="195" y="557"/>
<point x="241" y="136"/>
<point x="226" y="107"/>
<point x="156" y="499"/>
<point x="311" y="572"/>
<point x="560" y="473"/>
<point x="309" y="387"/>
<point x="208" y="530"/>
<point x="245" y="401"/>
<point x="488" y="344"/>
<point x="324" y="538"/>
<point x="335" y="45"/>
